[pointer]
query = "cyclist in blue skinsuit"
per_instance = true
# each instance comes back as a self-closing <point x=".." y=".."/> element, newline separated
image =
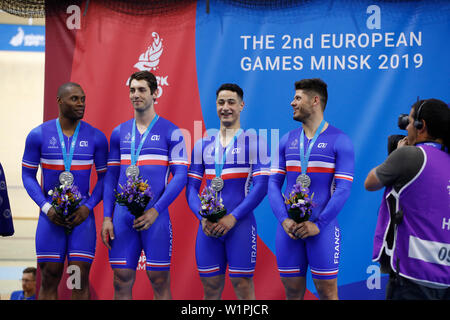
<point x="162" y="152"/>
<point x="232" y="240"/>
<point x="43" y="147"/>
<point x="314" y="243"/>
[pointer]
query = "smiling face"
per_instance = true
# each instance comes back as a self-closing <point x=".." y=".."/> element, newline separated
<point x="141" y="96"/>
<point x="72" y="103"/>
<point x="302" y="105"/>
<point x="229" y="107"/>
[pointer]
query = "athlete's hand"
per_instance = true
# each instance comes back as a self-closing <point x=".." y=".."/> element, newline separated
<point x="107" y="232"/>
<point x="146" y="220"/>
<point x="289" y="226"/>
<point x="78" y="216"/>
<point x="306" y="229"/>
<point x="55" y="218"/>
<point x="224" y="225"/>
<point x="207" y="226"/>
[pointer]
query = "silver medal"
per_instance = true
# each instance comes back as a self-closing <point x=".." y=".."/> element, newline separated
<point x="66" y="177"/>
<point x="132" y="171"/>
<point x="217" y="184"/>
<point x="304" y="180"/>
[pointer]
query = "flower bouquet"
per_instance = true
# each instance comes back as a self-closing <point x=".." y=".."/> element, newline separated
<point x="135" y="195"/>
<point x="212" y="206"/>
<point x="65" y="199"/>
<point x="299" y="203"/>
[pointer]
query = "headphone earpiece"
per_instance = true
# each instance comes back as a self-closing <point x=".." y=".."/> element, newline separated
<point x="418" y="124"/>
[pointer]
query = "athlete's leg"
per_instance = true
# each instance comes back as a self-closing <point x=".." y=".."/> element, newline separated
<point x="81" y="252"/>
<point x="243" y="287"/>
<point x="323" y="254"/>
<point x="124" y="253"/>
<point x="51" y="273"/>
<point x="213" y="287"/>
<point x="211" y="264"/>
<point x="123" y="283"/>
<point x="326" y="288"/>
<point x="292" y="264"/>
<point x="160" y="281"/>
<point x="157" y="244"/>
<point x="51" y="248"/>
<point x="240" y="244"/>
<point x="294" y="287"/>
<point x="81" y="292"/>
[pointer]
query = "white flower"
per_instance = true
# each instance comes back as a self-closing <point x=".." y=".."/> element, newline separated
<point x="66" y="197"/>
<point x="204" y="207"/>
<point x="50" y="192"/>
<point x="301" y="201"/>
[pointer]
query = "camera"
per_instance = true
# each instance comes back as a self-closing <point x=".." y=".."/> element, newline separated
<point x="393" y="140"/>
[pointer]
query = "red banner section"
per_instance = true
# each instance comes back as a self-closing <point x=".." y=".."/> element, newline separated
<point x="101" y="56"/>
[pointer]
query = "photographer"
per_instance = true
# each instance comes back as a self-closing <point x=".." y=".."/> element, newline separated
<point x="412" y="237"/>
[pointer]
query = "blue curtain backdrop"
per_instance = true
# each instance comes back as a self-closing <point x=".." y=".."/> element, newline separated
<point x="376" y="61"/>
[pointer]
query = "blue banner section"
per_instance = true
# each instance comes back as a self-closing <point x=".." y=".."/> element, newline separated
<point x="377" y="59"/>
<point x="22" y="38"/>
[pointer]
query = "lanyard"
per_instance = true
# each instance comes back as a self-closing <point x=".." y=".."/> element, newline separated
<point x="217" y="164"/>
<point x="67" y="157"/>
<point x="305" y="158"/>
<point x="135" y="153"/>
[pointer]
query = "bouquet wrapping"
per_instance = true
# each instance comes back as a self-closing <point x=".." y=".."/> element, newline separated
<point x="299" y="204"/>
<point x="65" y="200"/>
<point x="212" y="207"/>
<point x="135" y="195"/>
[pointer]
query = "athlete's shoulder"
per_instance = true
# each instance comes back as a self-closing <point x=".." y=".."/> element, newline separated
<point x="165" y="124"/>
<point x="37" y="132"/>
<point x="337" y="133"/>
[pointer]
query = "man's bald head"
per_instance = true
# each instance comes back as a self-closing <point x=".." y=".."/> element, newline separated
<point x="65" y="88"/>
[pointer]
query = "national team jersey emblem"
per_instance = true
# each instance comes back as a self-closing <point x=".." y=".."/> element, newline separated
<point x="293" y="144"/>
<point x="52" y="143"/>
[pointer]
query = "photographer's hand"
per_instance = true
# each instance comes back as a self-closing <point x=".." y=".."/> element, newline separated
<point x="402" y="142"/>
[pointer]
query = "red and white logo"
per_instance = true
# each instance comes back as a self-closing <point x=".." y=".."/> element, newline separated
<point x="149" y="61"/>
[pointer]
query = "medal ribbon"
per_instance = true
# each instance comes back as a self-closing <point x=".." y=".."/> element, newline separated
<point x="133" y="152"/>
<point x="305" y="158"/>
<point x="217" y="164"/>
<point x="67" y="157"/>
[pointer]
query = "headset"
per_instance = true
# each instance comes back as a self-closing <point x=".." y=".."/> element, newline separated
<point x="418" y="124"/>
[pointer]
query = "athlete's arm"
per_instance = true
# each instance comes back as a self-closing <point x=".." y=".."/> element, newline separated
<point x="343" y="177"/>
<point x="178" y="165"/>
<point x="261" y="173"/>
<point x="195" y="176"/>
<point x="112" y="174"/>
<point x="30" y="164"/>
<point x="276" y="180"/>
<point x="100" y="161"/>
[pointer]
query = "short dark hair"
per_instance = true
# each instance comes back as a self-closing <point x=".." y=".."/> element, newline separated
<point x="30" y="270"/>
<point x="65" y="86"/>
<point x="147" y="76"/>
<point x="316" y="85"/>
<point x="436" y="114"/>
<point x="231" y="87"/>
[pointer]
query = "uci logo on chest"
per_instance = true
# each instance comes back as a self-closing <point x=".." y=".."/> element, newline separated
<point x="236" y="151"/>
<point x="322" y="145"/>
<point x="83" y="143"/>
<point x="155" y="137"/>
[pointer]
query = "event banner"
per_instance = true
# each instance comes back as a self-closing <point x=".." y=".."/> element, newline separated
<point x="377" y="59"/>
